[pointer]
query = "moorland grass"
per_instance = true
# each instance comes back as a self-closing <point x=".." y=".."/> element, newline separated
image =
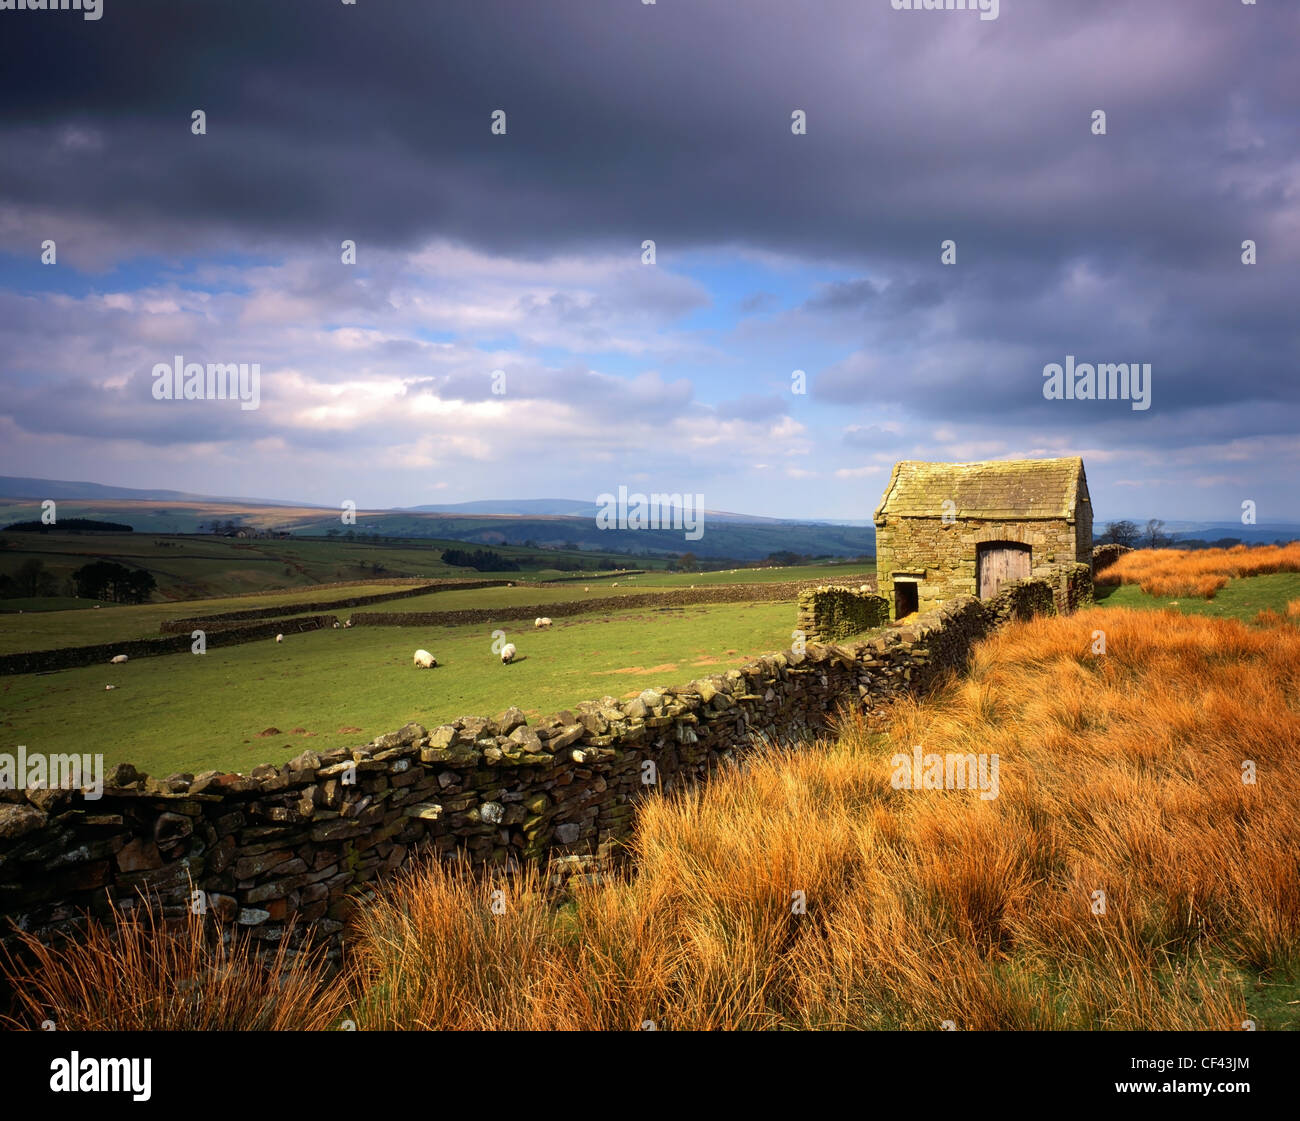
<point x="1120" y="773"/>
<point x="1238" y="599"/>
<point x="1198" y="572"/>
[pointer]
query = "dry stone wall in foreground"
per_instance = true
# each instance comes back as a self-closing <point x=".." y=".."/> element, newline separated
<point x="309" y="839"/>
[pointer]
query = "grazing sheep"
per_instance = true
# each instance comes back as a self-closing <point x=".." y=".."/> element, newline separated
<point x="507" y="653"/>
<point x="347" y="624"/>
<point x="336" y="626"/>
<point x="110" y="686"/>
<point x="586" y="589"/>
<point x="117" y="659"/>
<point x="424" y="660"/>
<point x="279" y="638"/>
<point x="542" y="624"/>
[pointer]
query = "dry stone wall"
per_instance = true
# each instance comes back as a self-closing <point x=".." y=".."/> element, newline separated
<point x="1074" y="587"/>
<point x="309" y="839"/>
<point x="674" y="597"/>
<point x="69" y="657"/>
<point x="1103" y="556"/>
<point x="831" y="613"/>
<point x="227" y="618"/>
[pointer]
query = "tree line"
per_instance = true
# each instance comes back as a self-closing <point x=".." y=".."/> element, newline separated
<point x="1153" y="536"/>
<point x="70" y="525"/>
<point x="104" y="580"/>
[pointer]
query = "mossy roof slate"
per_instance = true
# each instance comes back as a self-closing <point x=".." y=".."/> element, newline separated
<point x="1028" y="489"/>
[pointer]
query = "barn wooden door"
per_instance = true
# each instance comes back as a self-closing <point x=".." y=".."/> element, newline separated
<point x="998" y="562"/>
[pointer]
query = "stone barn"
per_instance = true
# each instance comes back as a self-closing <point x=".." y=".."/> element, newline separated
<point x="950" y="529"/>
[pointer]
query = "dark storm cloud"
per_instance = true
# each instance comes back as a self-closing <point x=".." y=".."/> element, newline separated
<point x="1213" y="341"/>
<point x="628" y="121"/>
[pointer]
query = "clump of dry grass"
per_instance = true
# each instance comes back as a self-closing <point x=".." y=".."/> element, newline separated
<point x="139" y="973"/>
<point x="1198" y="572"/>
<point x="804" y="891"/>
<point x="1270" y="618"/>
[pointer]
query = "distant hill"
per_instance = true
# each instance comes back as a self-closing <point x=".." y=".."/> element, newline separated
<point x="16" y="486"/>
<point x="574" y="508"/>
<point x="534" y="507"/>
<point x="538" y="522"/>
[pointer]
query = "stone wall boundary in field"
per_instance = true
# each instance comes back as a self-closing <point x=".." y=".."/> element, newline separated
<point x="833" y="612"/>
<point x="224" y="618"/>
<point x="307" y="840"/>
<point x="671" y="597"/>
<point x="71" y="657"/>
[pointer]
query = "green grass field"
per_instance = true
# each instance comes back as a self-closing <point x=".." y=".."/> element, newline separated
<point x="42" y="626"/>
<point x="337" y="688"/>
<point x="325" y="689"/>
<point x="187" y="567"/>
<point x="615" y="586"/>
<point x="1241" y="599"/>
<point x="825" y="573"/>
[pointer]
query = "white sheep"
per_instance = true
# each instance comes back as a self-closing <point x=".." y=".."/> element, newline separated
<point x="347" y="624"/>
<point x="507" y="653"/>
<point x="117" y="659"/>
<point x="424" y="660"/>
<point x="110" y="686"/>
<point x="336" y="626"/>
<point x="279" y="638"/>
<point x="542" y="624"/>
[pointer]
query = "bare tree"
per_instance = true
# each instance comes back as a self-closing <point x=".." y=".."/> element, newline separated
<point x="1121" y="533"/>
<point x="1154" y="535"/>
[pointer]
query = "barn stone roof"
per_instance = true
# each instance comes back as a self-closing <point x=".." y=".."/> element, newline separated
<point x="1008" y="489"/>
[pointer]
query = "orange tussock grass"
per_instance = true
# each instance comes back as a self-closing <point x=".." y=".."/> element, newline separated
<point x="139" y="972"/>
<point x="1199" y="572"/>
<point x="1119" y="773"/>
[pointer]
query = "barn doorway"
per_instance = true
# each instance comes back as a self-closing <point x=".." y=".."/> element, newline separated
<point x="907" y="598"/>
<point x="999" y="562"/>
